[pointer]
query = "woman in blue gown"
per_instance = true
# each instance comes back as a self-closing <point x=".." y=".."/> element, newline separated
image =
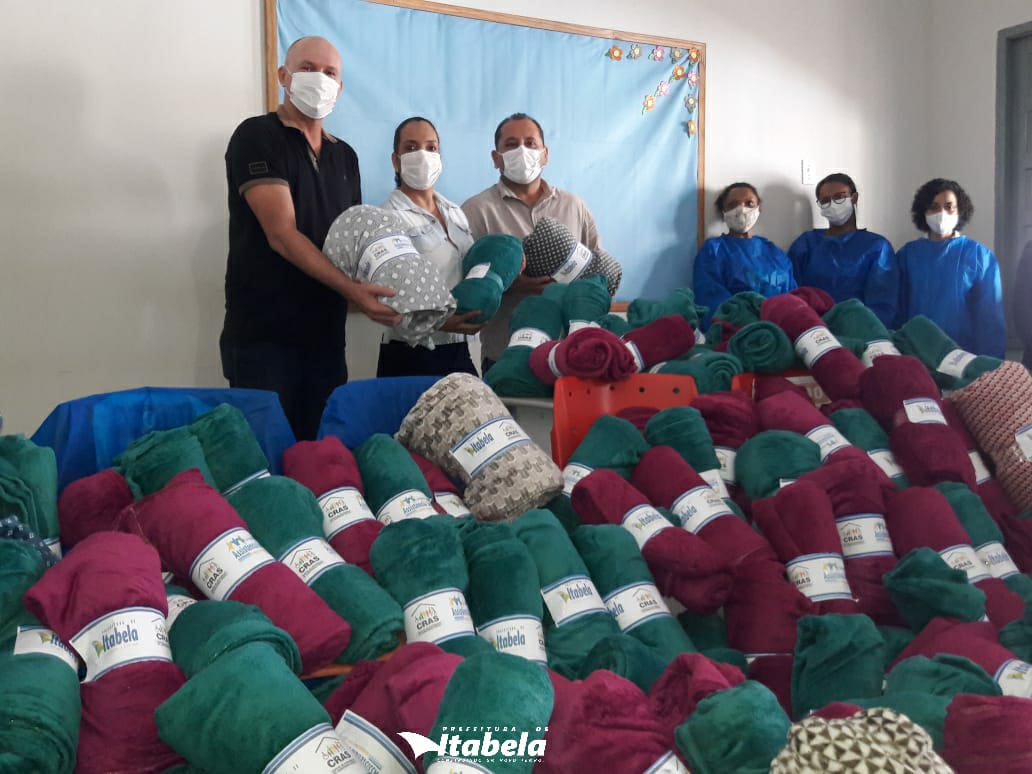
<point x="738" y="261"/>
<point x="948" y="277"/>
<point x="846" y="261"/>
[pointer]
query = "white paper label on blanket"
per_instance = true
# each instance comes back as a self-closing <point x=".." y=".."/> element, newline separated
<point x="168" y="577"/>
<point x="479" y="271"/>
<point x="552" y="365"/>
<point x="963" y="557"/>
<point x="124" y="637"/>
<point x="828" y="439"/>
<point x="876" y="349"/>
<point x="783" y="482"/>
<point x="996" y="559"/>
<point x="177" y="603"/>
<point x="438" y="616"/>
<point x="955" y="362"/>
<point x="863" y="535"/>
<point x="573" y="473"/>
<point x="488" y="441"/>
<point x="311" y="558"/>
<point x="814" y="343"/>
<point x="39" y="639"/>
<point x="574" y="265"/>
<point x="726" y="455"/>
<point x="886" y="460"/>
<point x="54" y="544"/>
<point x="579" y="325"/>
<point x="453" y="504"/>
<point x="668" y="764"/>
<point x="528" y="337"/>
<point x="1014" y="677"/>
<point x="698" y="507"/>
<point x="410" y="504"/>
<point x="639" y="361"/>
<point x="381" y="252"/>
<point x="923" y="411"/>
<point x="318" y="749"/>
<point x="241" y="484"/>
<point x="571" y="598"/>
<point x="226" y="562"/>
<point x="982" y="473"/>
<point x="341" y="508"/>
<point x="455" y="766"/>
<point x="377" y="753"/>
<point x="1024" y="439"/>
<point x="644" y="522"/>
<point x="634" y="604"/>
<point x="820" y="576"/>
<point x="517" y="635"/>
<point x="715" y="480"/>
<point x="657" y="367"/>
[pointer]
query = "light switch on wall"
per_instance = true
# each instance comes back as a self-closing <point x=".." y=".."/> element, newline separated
<point x="808" y="176"/>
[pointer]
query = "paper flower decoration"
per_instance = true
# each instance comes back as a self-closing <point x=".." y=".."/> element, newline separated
<point x="650" y="102"/>
<point x="675" y="54"/>
<point x="689" y="103"/>
<point x="662" y="89"/>
<point x="693" y="78"/>
<point x="634" y="52"/>
<point x="657" y="54"/>
<point x="615" y="53"/>
<point x="678" y="73"/>
<point x="692" y="128"/>
<point x="693" y="54"/>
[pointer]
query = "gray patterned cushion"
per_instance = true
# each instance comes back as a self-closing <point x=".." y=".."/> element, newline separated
<point x="370" y="244"/>
<point x="549" y="248"/>
<point x="461" y="425"/>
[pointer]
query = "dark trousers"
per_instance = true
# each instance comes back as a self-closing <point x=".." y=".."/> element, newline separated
<point x="303" y="378"/>
<point x="399" y="359"/>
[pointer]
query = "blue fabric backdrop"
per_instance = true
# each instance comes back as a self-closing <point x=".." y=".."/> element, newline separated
<point x="637" y="169"/>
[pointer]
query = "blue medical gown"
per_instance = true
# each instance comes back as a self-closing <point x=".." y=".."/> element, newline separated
<point x="726" y="265"/>
<point x="955" y="282"/>
<point x="858" y="264"/>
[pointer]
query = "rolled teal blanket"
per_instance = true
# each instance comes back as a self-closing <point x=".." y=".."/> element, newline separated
<point x="395" y="488"/>
<point x="773" y="458"/>
<point x="507" y="701"/>
<point x="555" y="292"/>
<point x="951" y="366"/>
<point x="586" y="301"/>
<point x="852" y="319"/>
<point x="535" y="320"/>
<point x="231" y="450"/>
<point x="1017" y="636"/>
<point x="488" y="269"/>
<point x="863" y="431"/>
<point x="740" y="309"/>
<point x="626" y="656"/>
<point x="615" y="324"/>
<point x="712" y="371"/>
<point x="153" y="460"/>
<point x="422" y="565"/>
<point x="738" y="730"/>
<point x="254" y="696"/>
<point x="286" y="519"/>
<point x="922" y="587"/>
<point x="504" y="593"/>
<point x="20" y="567"/>
<point x="575" y="617"/>
<point x="837" y="657"/>
<point x="642" y="311"/>
<point x="628" y="589"/>
<point x="763" y="347"/>
<point x="35" y="468"/>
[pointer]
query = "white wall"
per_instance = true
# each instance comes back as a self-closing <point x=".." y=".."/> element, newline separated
<point x="113" y="208"/>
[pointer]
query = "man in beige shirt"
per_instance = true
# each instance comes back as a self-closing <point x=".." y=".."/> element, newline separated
<point x="513" y="205"/>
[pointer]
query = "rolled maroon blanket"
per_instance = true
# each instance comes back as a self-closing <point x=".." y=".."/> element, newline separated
<point x="607" y="720"/>
<point x="988" y="733"/>
<point x="976" y="641"/>
<point x="857" y="493"/>
<point x="922" y="516"/>
<point x="775" y="672"/>
<point x="764" y="609"/>
<point x="664" y="477"/>
<point x="788" y="411"/>
<point x="800" y="524"/>
<point x="106" y="599"/>
<point x="638" y="416"/>
<point x="664" y="339"/>
<point x="767" y="385"/>
<point x="92" y="504"/>
<point x="837" y="710"/>
<point x="447" y="497"/>
<point x="328" y="468"/>
<point x="731" y="420"/>
<point x="684" y="565"/>
<point x="590" y="353"/>
<point x="400" y="694"/>
<point x="686" y="681"/>
<point x="835" y="368"/>
<point x="201" y="537"/>
<point x="819" y="300"/>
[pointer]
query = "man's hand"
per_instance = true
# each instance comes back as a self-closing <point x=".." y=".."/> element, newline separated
<point x="531" y="285"/>
<point x="367" y="297"/>
<point x="460" y="323"/>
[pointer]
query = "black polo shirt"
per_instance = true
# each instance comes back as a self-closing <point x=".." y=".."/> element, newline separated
<point x="268" y="299"/>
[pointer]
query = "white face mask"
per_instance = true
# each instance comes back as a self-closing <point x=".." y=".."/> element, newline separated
<point x="742" y="219"/>
<point x="942" y="223"/>
<point x="522" y="164"/>
<point x="420" y="169"/>
<point x="838" y="213"/>
<point x="314" y="94"/>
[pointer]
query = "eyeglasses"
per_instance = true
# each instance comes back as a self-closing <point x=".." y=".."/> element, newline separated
<point x="838" y="198"/>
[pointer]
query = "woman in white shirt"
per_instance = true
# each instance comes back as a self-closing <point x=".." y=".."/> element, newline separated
<point x="439" y="230"/>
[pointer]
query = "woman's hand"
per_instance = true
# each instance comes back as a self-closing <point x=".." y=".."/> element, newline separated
<point x="460" y="323"/>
